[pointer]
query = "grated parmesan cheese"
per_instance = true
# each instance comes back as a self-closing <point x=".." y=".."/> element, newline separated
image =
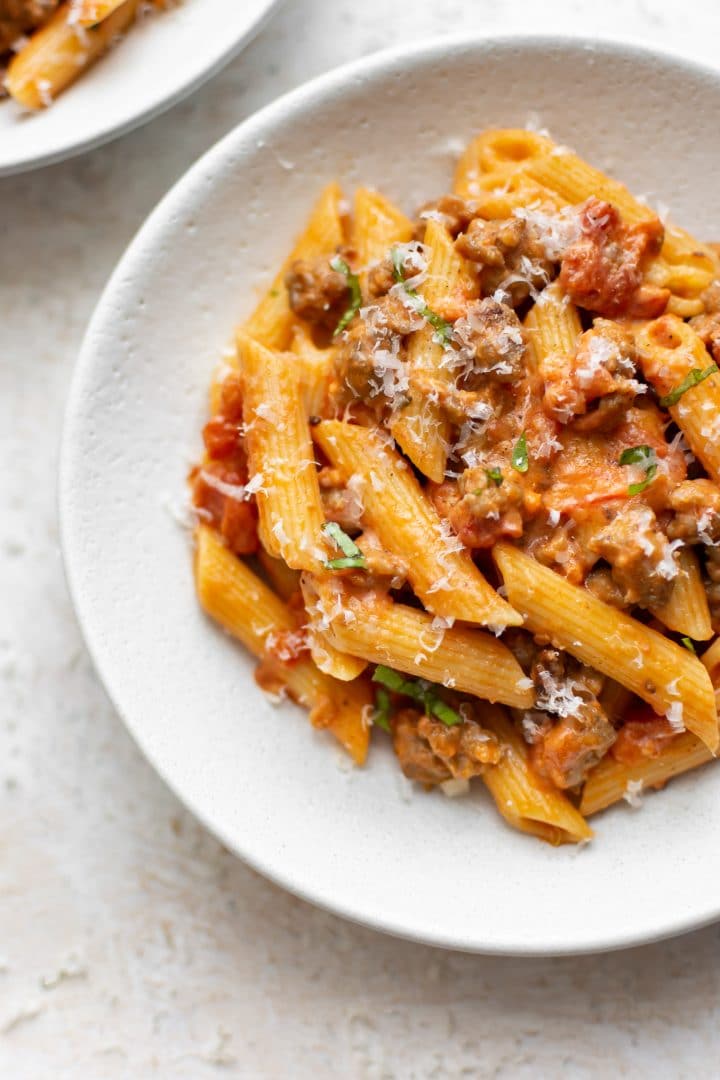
<point x="632" y="795"/>
<point x="455" y="788"/>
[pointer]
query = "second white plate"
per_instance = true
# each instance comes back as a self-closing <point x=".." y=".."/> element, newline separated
<point x="161" y="59"/>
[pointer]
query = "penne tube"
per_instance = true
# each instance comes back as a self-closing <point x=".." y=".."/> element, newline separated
<point x="341" y="665"/>
<point x="232" y="595"/>
<point x="670" y="351"/>
<point x="440" y="569"/>
<point x="272" y="320"/>
<point x="280" y="457"/>
<point x="315" y="371"/>
<point x="575" y="181"/>
<point x="711" y="660"/>
<point x="377" y="225"/>
<point x="89" y="12"/>
<point x="687" y="611"/>
<point x="327" y="658"/>
<point x="419" y="426"/>
<point x="498" y="153"/>
<point x="523" y="798"/>
<point x="611" y="780"/>
<point x="664" y="674"/>
<point x="383" y="632"/>
<point x="554" y="326"/>
<point x="285" y="582"/>
<point x="60" y="51"/>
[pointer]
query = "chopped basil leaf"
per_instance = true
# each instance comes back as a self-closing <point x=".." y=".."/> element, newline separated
<point x="443" y="329"/>
<point x="645" y="457"/>
<point x="347" y="562"/>
<point x="341" y="539"/>
<point x="353" y="283"/>
<point x="494" y="476"/>
<point x="697" y="375"/>
<point x="689" y="645"/>
<point x="381" y="715"/>
<point x="519" y="460"/>
<point x="353" y="555"/>
<point x="419" y="690"/>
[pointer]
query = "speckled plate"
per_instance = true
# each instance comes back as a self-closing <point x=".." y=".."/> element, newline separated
<point x="423" y="866"/>
<point x="160" y="60"/>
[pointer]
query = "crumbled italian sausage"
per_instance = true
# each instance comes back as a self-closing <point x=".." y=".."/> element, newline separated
<point x="697" y="512"/>
<point x="511" y="255"/>
<point x="316" y="292"/>
<point x="640" y="557"/>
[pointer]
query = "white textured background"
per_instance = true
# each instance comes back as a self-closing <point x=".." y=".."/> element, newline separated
<point x="131" y="943"/>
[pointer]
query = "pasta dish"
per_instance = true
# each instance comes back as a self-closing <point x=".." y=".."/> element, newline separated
<point x="461" y="484"/>
<point x="49" y="43"/>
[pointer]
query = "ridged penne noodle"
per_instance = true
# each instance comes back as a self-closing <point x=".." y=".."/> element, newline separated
<point x="612" y="780"/>
<point x="284" y="580"/>
<point x="554" y="326"/>
<point x="664" y="674"/>
<point x="332" y="661"/>
<point x="315" y="370"/>
<point x="89" y="12"/>
<point x="403" y="638"/>
<point x="377" y="225"/>
<point x="575" y="181"/>
<point x="669" y="351"/>
<point x="59" y="52"/>
<point x="687" y="611"/>
<point x="440" y="569"/>
<point x="497" y="153"/>
<point x="711" y="660"/>
<point x="341" y="665"/>
<point x="232" y="595"/>
<point x="525" y="800"/>
<point x="272" y="320"/>
<point x="281" y="458"/>
<point x="419" y="426"/>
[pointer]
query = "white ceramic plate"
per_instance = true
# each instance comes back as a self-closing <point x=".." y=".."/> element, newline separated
<point x="443" y="871"/>
<point x="161" y="59"/>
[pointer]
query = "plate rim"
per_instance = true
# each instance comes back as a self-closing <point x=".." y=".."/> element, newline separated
<point x="378" y="63"/>
<point x="83" y="145"/>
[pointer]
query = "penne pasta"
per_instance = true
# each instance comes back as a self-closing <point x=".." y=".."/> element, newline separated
<point x="687" y="611"/>
<point x="662" y="673"/>
<point x="59" y="52"/>
<point x="231" y="594"/>
<point x="525" y="800"/>
<point x="315" y="371"/>
<point x="611" y="780"/>
<point x="377" y="225"/>
<point x="419" y="426"/>
<point x="440" y="569"/>
<point x="548" y="444"/>
<point x="280" y="455"/>
<point x="89" y="12"/>
<point x="272" y="320"/>
<point x="285" y="582"/>
<point x="554" y="327"/>
<point x="575" y="181"/>
<point x="401" y="637"/>
<point x="497" y="154"/>
<point x="670" y="352"/>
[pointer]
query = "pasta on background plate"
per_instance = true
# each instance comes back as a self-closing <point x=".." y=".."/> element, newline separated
<point x="45" y="45"/>
<point x="461" y="485"/>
